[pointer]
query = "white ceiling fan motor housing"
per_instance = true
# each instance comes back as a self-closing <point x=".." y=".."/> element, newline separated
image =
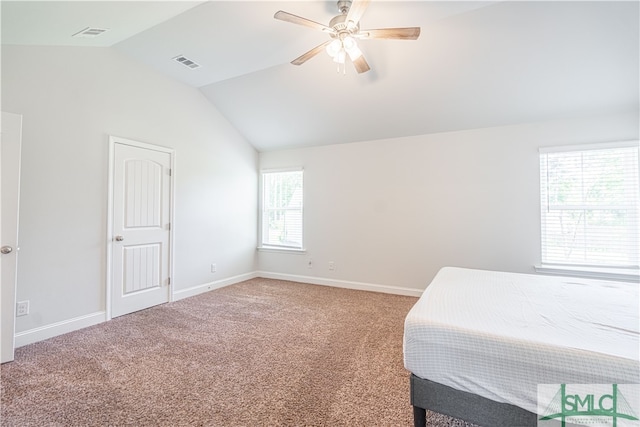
<point x="341" y="28"/>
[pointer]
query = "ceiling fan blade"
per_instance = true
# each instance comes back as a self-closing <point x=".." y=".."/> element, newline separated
<point x="361" y="64"/>
<point x="409" y="33"/>
<point x="294" y="19"/>
<point x="310" y="54"/>
<point x="356" y="10"/>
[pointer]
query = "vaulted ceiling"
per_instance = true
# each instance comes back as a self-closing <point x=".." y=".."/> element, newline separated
<point x="476" y="64"/>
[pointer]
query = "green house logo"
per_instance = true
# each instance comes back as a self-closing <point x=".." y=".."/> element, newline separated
<point x="589" y="404"/>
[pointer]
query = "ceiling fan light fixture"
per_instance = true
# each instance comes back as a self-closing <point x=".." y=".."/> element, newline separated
<point x="334" y="47"/>
<point x="338" y="49"/>
<point x="351" y="47"/>
<point x="349" y="43"/>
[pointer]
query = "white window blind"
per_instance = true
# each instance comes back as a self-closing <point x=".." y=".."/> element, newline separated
<point x="590" y="206"/>
<point x="282" y="197"/>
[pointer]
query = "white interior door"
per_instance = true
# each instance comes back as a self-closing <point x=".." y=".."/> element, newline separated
<point x="141" y="200"/>
<point x="10" y="142"/>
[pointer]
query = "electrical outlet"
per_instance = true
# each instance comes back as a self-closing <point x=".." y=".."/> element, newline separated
<point x="310" y="263"/>
<point x="22" y="308"/>
<point x="214" y="268"/>
<point x="332" y="266"/>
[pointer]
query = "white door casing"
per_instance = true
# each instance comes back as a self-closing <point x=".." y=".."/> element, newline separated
<point x="140" y="222"/>
<point x="10" y="142"/>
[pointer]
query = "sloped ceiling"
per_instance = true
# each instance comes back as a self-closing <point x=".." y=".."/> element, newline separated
<point x="476" y="64"/>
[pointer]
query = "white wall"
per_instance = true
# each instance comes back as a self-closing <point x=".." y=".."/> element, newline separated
<point x="72" y="98"/>
<point x="391" y="213"/>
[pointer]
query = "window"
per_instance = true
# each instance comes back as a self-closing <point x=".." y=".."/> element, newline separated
<point x="282" y="196"/>
<point x="590" y="208"/>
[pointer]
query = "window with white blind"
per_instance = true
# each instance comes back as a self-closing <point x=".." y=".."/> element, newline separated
<point x="282" y="214"/>
<point x="589" y="197"/>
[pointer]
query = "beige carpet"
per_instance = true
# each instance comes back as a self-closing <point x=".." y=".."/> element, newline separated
<point x="258" y="353"/>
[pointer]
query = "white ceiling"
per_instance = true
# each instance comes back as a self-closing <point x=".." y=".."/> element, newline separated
<point x="476" y="64"/>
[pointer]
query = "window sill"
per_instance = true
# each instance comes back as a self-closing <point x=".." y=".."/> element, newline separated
<point x="281" y="250"/>
<point x="617" y="274"/>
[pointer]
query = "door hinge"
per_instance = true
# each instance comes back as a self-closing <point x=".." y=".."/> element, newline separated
<point x="169" y="171"/>
<point x="169" y="226"/>
<point x="169" y="281"/>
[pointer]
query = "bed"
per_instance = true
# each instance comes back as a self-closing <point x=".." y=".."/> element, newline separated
<point x="477" y="343"/>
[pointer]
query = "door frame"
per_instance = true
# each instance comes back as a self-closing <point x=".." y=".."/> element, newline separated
<point x="113" y="141"/>
<point x="8" y="295"/>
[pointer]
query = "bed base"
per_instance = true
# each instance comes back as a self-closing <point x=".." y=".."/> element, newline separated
<point x="428" y="395"/>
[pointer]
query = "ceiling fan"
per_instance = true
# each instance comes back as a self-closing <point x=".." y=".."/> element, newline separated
<point x="344" y="30"/>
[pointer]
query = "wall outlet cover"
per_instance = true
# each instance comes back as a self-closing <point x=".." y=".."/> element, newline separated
<point x="22" y="308"/>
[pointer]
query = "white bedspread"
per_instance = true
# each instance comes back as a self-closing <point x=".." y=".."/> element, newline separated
<point x="500" y="334"/>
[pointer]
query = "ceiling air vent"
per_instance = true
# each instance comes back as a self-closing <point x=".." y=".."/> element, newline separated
<point x="90" y="32"/>
<point x="186" y="62"/>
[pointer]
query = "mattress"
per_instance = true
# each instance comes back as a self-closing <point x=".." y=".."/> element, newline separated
<point x="499" y="334"/>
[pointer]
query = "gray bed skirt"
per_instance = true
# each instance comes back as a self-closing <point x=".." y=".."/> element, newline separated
<point x="469" y="407"/>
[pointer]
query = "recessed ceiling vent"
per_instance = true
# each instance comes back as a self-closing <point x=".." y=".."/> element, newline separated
<point x="186" y="62"/>
<point x="90" y="32"/>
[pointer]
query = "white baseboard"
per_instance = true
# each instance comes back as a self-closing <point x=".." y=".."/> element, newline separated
<point x="185" y="293"/>
<point x="342" y="284"/>
<point x="49" y="331"/>
<point x="195" y="290"/>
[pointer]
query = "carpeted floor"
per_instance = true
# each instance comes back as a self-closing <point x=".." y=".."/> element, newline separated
<point x="259" y="353"/>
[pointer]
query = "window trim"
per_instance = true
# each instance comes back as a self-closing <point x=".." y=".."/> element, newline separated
<point x="625" y="274"/>
<point x="277" y="248"/>
<point x="617" y="274"/>
<point x="281" y="249"/>
<point x="586" y="147"/>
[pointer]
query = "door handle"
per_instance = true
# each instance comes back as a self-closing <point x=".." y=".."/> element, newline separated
<point x="6" y="250"/>
<point x="119" y="238"/>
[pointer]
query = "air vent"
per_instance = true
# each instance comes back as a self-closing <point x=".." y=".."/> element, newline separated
<point x="186" y="62"/>
<point x="90" y="32"/>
